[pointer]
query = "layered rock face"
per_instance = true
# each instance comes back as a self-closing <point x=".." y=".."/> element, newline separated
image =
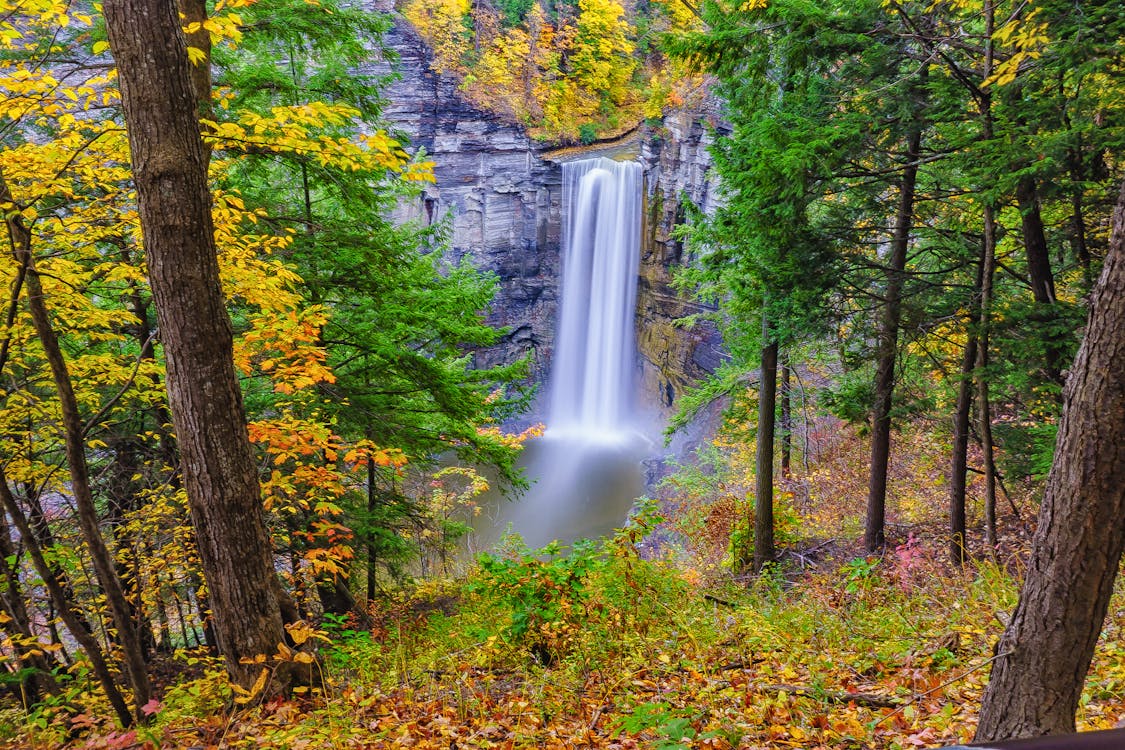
<point x="500" y="198"/>
<point x="501" y="194"/>
<point x="677" y="166"/>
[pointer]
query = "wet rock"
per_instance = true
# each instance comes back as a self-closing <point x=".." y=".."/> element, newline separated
<point x="500" y="192"/>
<point x="677" y="167"/>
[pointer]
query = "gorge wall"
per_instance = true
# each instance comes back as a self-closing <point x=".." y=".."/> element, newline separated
<point x="501" y="199"/>
<point x="501" y="193"/>
<point x="677" y="166"/>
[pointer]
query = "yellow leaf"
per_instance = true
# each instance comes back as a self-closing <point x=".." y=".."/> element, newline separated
<point x="245" y="696"/>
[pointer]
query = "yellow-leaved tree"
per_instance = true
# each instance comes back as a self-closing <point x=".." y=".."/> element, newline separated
<point x="84" y="419"/>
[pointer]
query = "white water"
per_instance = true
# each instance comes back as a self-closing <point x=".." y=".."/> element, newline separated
<point x="586" y="471"/>
<point x="592" y="373"/>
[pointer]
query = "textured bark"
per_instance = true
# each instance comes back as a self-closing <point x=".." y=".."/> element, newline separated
<point x="169" y="166"/>
<point x="763" y="492"/>
<point x="874" y="536"/>
<point x="75" y="444"/>
<point x="1048" y="644"/>
<point x="195" y="12"/>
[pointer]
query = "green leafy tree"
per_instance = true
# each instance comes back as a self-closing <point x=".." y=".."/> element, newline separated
<point x="402" y="320"/>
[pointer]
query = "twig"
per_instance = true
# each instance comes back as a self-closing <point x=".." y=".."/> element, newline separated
<point x="717" y="600"/>
<point x="947" y="683"/>
<point x="836" y="696"/>
<point x="145" y="349"/>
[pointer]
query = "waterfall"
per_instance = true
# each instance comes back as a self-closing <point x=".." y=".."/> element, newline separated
<point x="592" y="372"/>
<point x="586" y="470"/>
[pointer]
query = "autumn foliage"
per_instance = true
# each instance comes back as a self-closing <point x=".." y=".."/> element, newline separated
<point x="581" y="70"/>
<point x="70" y="213"/>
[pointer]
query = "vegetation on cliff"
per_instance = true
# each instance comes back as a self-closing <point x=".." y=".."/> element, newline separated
<point x="566" y="70"/>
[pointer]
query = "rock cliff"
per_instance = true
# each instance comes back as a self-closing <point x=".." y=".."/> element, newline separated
<point x="677" y="167"/>
<point x="500" y="198"/>
<point x="500" y="193"/>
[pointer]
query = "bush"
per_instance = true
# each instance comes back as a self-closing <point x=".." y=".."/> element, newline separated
<point x="547" y="597"/>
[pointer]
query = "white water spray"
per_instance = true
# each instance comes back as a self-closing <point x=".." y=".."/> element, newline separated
<point x="585" y="471"/>
<point x="592" y="373"/>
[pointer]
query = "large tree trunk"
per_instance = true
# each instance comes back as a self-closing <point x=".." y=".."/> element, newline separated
<point x="169" y="167"/>
<point x="874" y="536"/>
<point x="1047" y="647"/>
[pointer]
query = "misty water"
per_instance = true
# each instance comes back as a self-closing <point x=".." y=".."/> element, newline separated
<point x="586" y="470"/>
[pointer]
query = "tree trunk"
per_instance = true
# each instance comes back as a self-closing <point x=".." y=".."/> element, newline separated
<point x="124" y="498"/>
<point x="984" y="404"/>
<point x="763" y="465"/>
<point x="985" y="275"/>
<point x="195" y="11"/>
<point x="45" y="539"/>
<point x="1035" y="242"/>
<point x="958" y="544"/>
<point x="372" y="554"/>
<point x="1077" y="213"/>
<point x="169" y="166"/>
<point x="75" y="444"/>
<point x="786" y="422"/>
<point x="958" y="541"/>
<point x="1039" y="270"/>
<point x="39" y="680"/>
<point x="874" y="537"/>
<point x="73" y="623"/>
<point x="1047" y="647"/>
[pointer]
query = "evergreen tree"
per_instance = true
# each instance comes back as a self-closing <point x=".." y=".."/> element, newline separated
<point x="402" y="320"/>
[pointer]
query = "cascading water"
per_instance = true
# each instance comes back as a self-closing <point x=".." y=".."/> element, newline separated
<point x="592" y="373"/>
<point x="585" y="471"/>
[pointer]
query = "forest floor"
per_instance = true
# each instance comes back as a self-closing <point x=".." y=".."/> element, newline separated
<point x="648" y="641"/>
